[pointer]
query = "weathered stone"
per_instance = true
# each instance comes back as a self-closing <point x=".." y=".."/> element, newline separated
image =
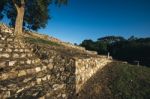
<point x="20" y="90"/>
<point x="21" y="50"/>
<point x="23" y="55"/>
<point x="22" y="62"/>
<point x="15" y="55"/>
<point x="16" y="50"/>
<point x="48" y="77"/>
<point x="5" y="94"/>
<point x="58" y="86"/>
<point x="27" y="50"/>
<point x="1" y="49"/>
<point x="9" y="39"/>
<point x="50" y="66"/>
<point x="63" y="95"/>
<point x="9" y="50"/>
<point x="2" y="38"/>
<point x="11" y="63"/>
<point x="38" y="80"/>
<point x="28" y="61"/>
<point x="4" y="76"/>
<point x="44" y="78"/>
<point x="22" y="73"/>
<point x="5" y="55"/>
<point x="2" y="63"/>
<point x="37" y="69"/>
<point x="44" y="68"/>
<point x="31" y="71"/>
<point x="26" y="80"/>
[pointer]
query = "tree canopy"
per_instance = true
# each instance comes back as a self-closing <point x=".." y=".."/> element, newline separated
<point x="35" y="14"/>
<point x="131" y="50"/>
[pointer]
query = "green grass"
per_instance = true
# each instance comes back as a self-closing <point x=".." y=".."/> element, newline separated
<point x="40" y="41"/>
<point x="130" y="82"/>
<point x="118" y="81"/>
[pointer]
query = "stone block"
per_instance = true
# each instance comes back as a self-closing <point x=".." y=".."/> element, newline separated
<point x="2" y="38"/>
<point x="1" y="49"/>
<point x="50" y="66"/>
<point x="22" y="62"/>
<point x="16" y="50"/>
<point x="38" y="80"/>
<point x="44" y="78"/>
<point x="12" y="63"/>
<point x="21" y="50"/>
<point x="27" y="50"/>
<point x="4" y="55"/>
<point x="5" y="94"/>
<point x="9" y="40"/>
<point x="23" y="55"/>
<point x="4" y="76"/>
<point x="44" y="68"/>
<point x="8" y="50"/>
<point x="58" y="86"/>
<point x="38" y="69"/>
<point x="16" y="55"/>
<point x="48" y="77"/>
<point x="28" y="61"/>
<point x="31" y="71"/>
<point x="22" y="73"/>
<point x="2" y="63"/>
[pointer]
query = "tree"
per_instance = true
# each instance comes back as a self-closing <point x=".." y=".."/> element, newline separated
<point x="32" y="14"/>
<point x="111" y="39"/>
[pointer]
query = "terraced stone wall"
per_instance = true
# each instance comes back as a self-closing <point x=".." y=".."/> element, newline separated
<point x="28" y="72"/>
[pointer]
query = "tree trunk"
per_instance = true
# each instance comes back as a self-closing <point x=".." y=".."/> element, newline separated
<point x="19" y="18"/>
<point x="19" y="21"/>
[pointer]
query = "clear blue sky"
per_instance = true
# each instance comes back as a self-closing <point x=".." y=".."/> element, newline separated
<point x="91" y="19"/>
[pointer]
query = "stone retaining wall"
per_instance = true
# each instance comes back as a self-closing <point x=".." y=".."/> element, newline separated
<point x="86" y="68"/>
<point x="26" y="72"/>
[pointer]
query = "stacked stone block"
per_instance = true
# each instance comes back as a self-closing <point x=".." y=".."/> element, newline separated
<point x="87" y="67"/>
<point x="32" y="71"/>
<point x="19" y="68"/>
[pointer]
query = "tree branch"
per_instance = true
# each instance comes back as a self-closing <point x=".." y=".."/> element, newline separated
<point x="22" y="3"/>
<point x="14" y="2"/>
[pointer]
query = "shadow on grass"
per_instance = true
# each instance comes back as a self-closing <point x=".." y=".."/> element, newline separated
<point x="118" y="81"/>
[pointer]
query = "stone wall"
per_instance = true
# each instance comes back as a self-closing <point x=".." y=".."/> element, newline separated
<point x="86" y="68"/>
<point x="24" y="74"/>
<point x="33" y="71"/>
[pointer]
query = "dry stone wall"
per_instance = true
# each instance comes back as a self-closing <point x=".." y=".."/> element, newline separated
<point x="86" y="68"/>
<point x="23" y="75"/>
<point x="26" y="72"/>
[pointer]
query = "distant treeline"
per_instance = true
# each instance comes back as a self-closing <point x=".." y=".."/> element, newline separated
<point x="131" y="50"/>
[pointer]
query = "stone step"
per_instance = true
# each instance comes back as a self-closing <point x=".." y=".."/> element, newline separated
<point x="11" y="45"/>
<point x="20" y="73"/>
<point x="22" y="84"/>
<point x="6" y="66"/>
<point x="16" y="56"/>
<point x="15" y="50"/>
<point x="7" y="39"/>
<point x="6" y="34"/>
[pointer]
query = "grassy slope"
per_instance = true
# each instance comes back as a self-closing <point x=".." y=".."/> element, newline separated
<point x="118" y="81"/>
<point x="40" y="41"/>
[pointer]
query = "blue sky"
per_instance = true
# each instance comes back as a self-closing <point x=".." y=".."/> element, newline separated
<point x="92" y="19"/>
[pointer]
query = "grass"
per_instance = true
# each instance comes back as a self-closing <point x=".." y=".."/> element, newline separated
<point x="130" y="82"/>
<point x="40" y="41"/>
<point x="118" y="81"/>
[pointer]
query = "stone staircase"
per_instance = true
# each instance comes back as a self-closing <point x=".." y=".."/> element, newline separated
<point x="25" y="74"/>
<point x="20" y="69"/>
